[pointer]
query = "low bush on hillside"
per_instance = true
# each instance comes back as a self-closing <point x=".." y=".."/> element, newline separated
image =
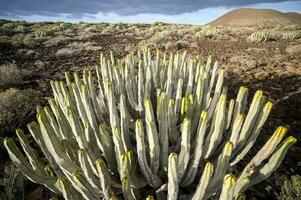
<point x="67" y="52"/>
<point x="16" y="107"/>
<point x="7" y="29"/>
<point x="11" y="75"/>
<point x="291" y="189"/>
<point x="11" y="183"/>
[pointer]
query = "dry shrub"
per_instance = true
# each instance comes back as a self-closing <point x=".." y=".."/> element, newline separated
<point x="67" y="52"/>
<point x="7" y="29"/>
<point x="16" y="107"/>
<point x="41" y="64"/>
<point x="86" y="46"/>
<point x="108" y="31"/>
<point x="295" y="49"/>
<point x="4" y="40"/>
<point x="11" y="75"/>
<point x="153" y="42"/>
<point x="26" y="52"/>
<point x="291" y="189"/>
<point x="30" y="41"/>
<point x="17" y="40"/>
<point x="58" y="40"/>
<point x="12" y="183"/>
<point x="91" y="29"/>
<point x="83" y="35"/>
<point x="70" y="32"/>
<point x="181" y="44"/>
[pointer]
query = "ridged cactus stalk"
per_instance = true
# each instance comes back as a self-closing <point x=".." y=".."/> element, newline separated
<point x="45" y="33"/>
<point x="154" y="126"/>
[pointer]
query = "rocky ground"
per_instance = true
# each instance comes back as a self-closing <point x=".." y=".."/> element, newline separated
<point x="274" y="66"/>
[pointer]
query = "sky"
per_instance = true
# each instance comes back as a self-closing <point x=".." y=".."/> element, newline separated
<point x="133" y="11"/>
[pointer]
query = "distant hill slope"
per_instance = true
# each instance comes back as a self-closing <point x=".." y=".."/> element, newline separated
<point x="252" y="17"/>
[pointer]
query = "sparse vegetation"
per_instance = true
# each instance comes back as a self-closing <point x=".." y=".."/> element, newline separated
<point x="58" y="40"/>
<point x="67" y="52"/>
<point x="11" y="183"/>
<point x="11" y="75"/>
<point x="60" y="27"/>
<point x="29" y="40"/>
<point x="7" y="29"/>
<point x="86" y="46"/>
<point x="16" y="107"/>
<point x="91" y="29"/>
<point x="179" y="45"/>
<point x="294" y="49"/>
<point x="84" y="35"/>
<point x="291" y="189"/>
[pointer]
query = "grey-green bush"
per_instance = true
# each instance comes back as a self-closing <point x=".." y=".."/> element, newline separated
<point x="290" y="189"/>
<point x="7" y="29"/>
<point x="16" y="106"/>
<point x="12" y="183"/>
<point x="11" y="75"/>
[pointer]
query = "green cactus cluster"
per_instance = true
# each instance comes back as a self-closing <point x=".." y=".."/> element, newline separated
<point x="292" y="35"/>
<point x="45" y="33"/>
<point x="164" y="34"/>
<point x="260" y="36"/>
<point x="207" y="32"/>
<point x="7" y="29"/>
<point x="21" y="29"/>
<point x="151" y="126"/>
<point x="70" y="32"/>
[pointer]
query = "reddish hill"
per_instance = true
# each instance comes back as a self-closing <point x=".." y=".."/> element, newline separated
<point x="254" y="17"/>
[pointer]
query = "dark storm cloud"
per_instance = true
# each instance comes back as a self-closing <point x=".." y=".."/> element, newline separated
<point x="77" y="8"/>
